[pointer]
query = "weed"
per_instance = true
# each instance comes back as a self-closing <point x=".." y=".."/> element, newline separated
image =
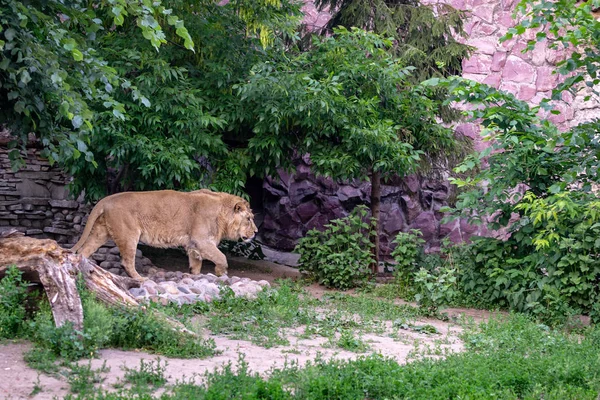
<point x="37" y="387"/>
<point x="348" y="341"/>
<point x="13" y="298"/>
<point x="42" y="359"/>
<point x="150" y="375"/>
<point x="83" y="378"/>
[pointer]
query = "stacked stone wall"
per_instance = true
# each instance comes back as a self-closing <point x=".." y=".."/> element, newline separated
<point x="35" y="200"/>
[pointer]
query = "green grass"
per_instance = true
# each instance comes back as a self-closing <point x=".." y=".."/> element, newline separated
<point x="505" y="359"/>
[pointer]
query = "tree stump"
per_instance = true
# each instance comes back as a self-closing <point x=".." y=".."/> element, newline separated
<point x="44" y="261"/>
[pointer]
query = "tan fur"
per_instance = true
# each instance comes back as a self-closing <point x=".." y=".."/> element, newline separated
<point x="197" y="220"/>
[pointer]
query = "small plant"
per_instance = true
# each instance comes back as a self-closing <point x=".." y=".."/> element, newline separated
<point x="151" y="374"/>
<point x="13" y="297"/>
<point x="37" y="387"/>
<point x="83" y="378"/>
<point x="408" y="255"/>
<point x="348" y="341"/>
<point x="339" y="256"/>
<point x="436" y="288"/>
<point x="43" y="359"/>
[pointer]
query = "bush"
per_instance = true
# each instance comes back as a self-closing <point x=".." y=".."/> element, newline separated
<point x="339" y="256"/>
<point x="13" y="297"/>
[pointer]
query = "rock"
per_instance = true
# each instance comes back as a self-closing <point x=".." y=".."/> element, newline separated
<point x="70" y="204"/>
<point x="138" y="292"/>
<point x="198" y="290"/>
<point x="183" y="289"/>
<point x="187" y="281"/>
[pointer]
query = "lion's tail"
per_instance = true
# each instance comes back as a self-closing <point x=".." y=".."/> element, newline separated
<point x="97" y="211"/>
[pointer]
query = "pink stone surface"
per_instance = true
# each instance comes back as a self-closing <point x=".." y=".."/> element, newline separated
<point x="475" y="77"/>
<point x="526" y="92"/>
<point x="485" y="12"/>
<point x="498" y="61"/>
<point x="477" y="64"/>
<point x="518" y="70"/>
<point x="493" y="80"/>
<point x="484" y="45"/>
<point x="510" y="87"/>
<point x="546" y="79"/>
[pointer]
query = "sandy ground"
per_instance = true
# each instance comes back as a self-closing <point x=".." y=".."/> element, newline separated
<point x="17" y="380"/>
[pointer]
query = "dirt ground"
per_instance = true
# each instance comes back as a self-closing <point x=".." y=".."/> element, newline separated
<point x="17" y="380"/>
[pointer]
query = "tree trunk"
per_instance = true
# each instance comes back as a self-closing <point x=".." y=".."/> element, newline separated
<point x="375" y="207"/>
<point x="45" y="262"/>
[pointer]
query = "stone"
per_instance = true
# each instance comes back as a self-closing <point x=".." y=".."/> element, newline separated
<point x="517" y="70"/>
<point x="70" y="204"/>
<point x="302" y="192"/>
<point x="307" y="210"/>
<point x="347" y="193"/>
<point x="427" y="224"/>
<point x="138" y="292"/>
<point x="57" y="231"/>
<point x="477" y="64"/>
<point x="187" y="281"/>
<point x="198" y="290"/>
<point x="493" y="80"/>
<point x="484" y="45"/>
<point x="169" y="287"/>
<point x="498" y="61"/>
<point x="546" y="79"/>
<point x="527" y="92"/>
<point x="485" y="12"/>
<point x="183" y="289"/>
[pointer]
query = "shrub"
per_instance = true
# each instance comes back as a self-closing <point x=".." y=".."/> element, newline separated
<point x="408" y="255"/>
<point x="13" y="297"/>
<point x="340" y="255"/>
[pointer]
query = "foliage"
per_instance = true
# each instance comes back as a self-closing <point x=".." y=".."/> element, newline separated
<point x="426" y="33"/>
<point x="82" y="378"/>
<point x="338" y="256"/>
<point x="408" y="254"/>
<point x="568" y="25"/>
<point x="50" y="69"/>
<point x="542" y="193"/>
<point x="149" y="376"/>
<point x="347" y="103"/>
<point x="104" y="102"/>
<point x="13" y="299"/>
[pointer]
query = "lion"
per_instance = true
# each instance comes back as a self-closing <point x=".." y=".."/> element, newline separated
<point x="197" y="221"/>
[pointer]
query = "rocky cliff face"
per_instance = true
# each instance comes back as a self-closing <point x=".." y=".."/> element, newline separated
<point x="294" y="204"/>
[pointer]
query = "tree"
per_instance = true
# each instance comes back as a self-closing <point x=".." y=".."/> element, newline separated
<point x="50" y="69"/>
<point x="424" y="35"/>
<point x="106" y="104"/>
<point x="349" y="104"/>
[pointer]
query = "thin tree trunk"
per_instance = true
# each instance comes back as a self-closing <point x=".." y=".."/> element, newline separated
<point x="375" y="207"/>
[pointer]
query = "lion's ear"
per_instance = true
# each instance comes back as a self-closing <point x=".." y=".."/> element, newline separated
<point x="239" y="207"/>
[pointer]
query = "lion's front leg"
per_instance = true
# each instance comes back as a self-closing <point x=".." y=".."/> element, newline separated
<point x="209" y="251"/>
<point x="195" y="260"/>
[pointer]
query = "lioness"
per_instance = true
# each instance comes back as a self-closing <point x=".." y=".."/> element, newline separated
<point x="196" y="220"/>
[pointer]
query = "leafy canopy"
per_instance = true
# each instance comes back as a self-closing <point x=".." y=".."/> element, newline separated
<point x="348" y="103"/>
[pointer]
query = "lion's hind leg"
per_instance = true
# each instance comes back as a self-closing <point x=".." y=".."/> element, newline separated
<point x="97" y="237"/>
<point x="127" y="247"/>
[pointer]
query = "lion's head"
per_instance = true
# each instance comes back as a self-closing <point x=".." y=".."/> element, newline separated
<point x="241" y="223"/>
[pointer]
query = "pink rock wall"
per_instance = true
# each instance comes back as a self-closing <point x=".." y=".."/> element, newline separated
<point x="529" y="76"/>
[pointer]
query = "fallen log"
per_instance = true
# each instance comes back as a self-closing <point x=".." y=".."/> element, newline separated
<point x="56" y="269"/>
